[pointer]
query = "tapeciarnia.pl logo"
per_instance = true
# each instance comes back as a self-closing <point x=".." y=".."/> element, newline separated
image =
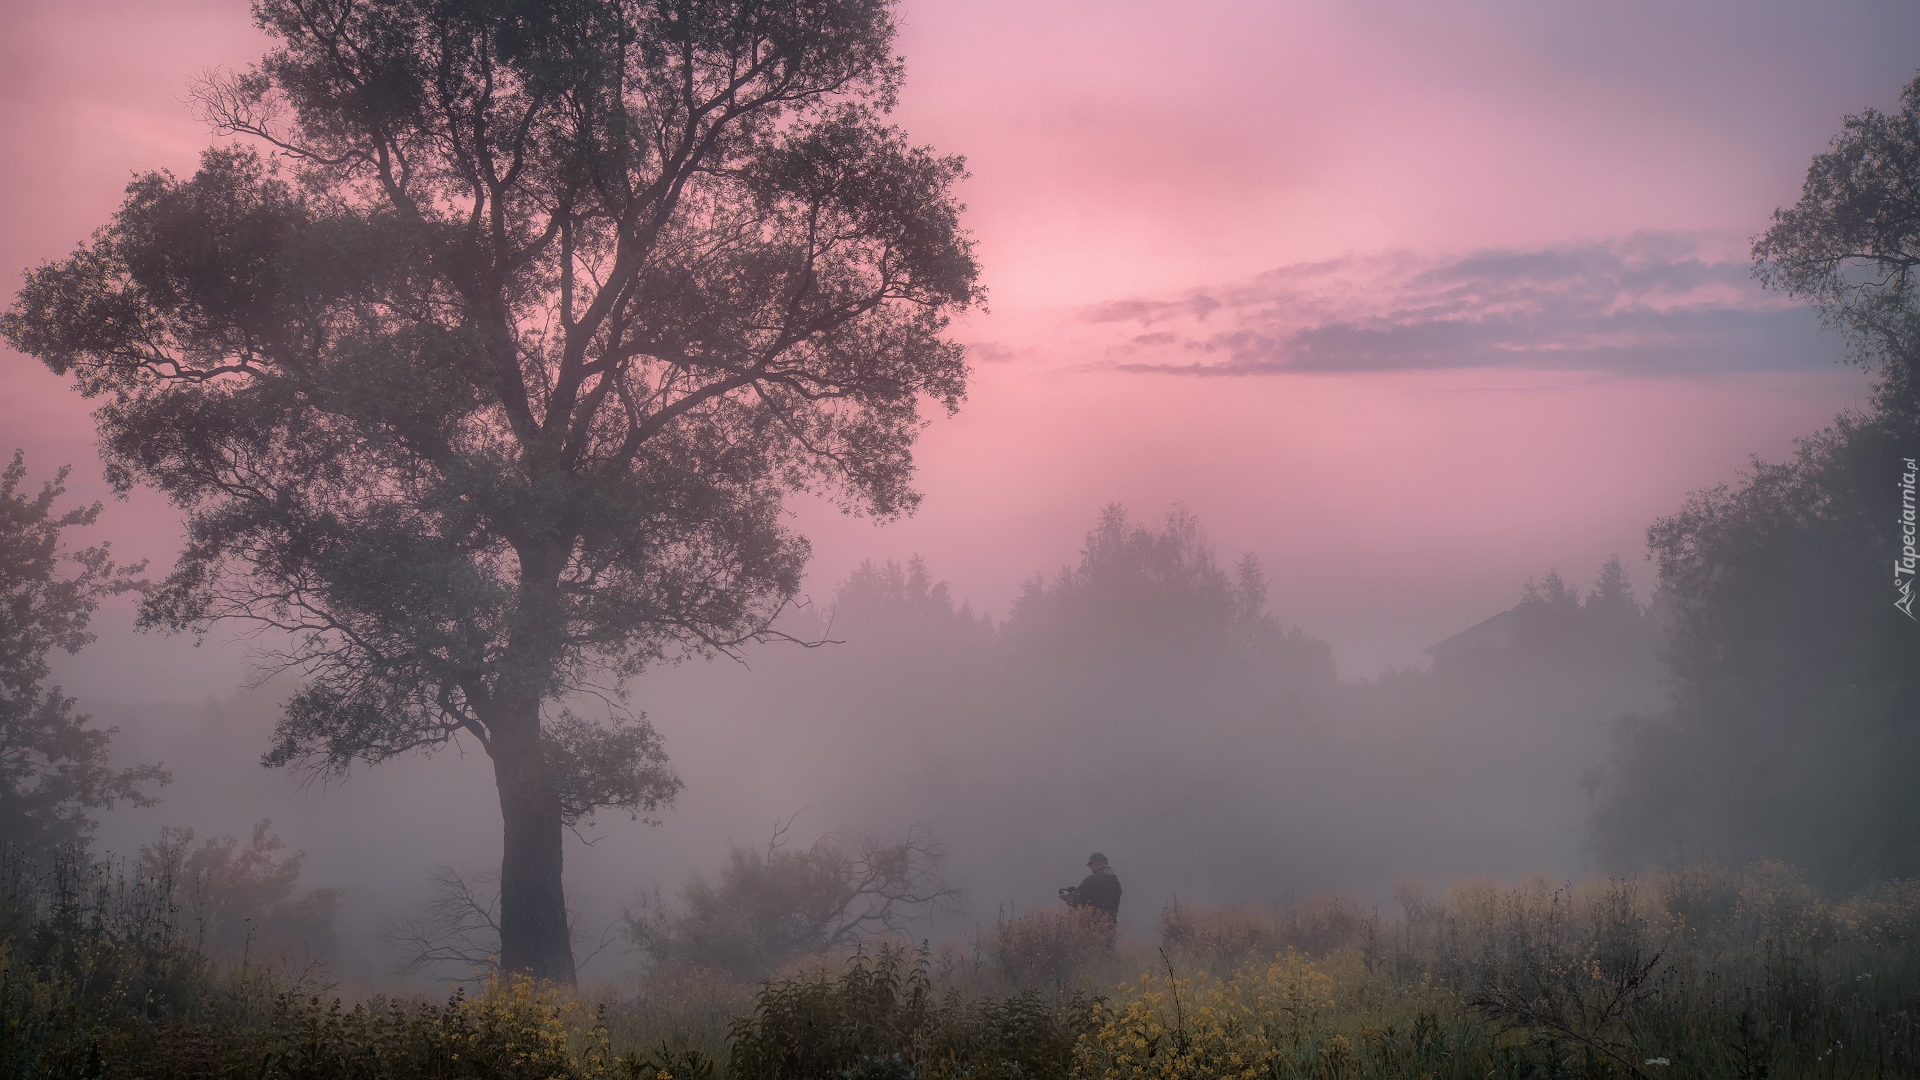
<point x="1904" y="566"/>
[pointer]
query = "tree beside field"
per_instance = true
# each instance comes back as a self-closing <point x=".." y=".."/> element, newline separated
<point x="482" y="360"/>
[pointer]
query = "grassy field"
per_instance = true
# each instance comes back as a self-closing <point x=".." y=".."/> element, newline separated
<point x="1703" y="972"/>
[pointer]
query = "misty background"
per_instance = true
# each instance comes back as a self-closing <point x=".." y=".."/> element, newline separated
<point x="1142" y="700"/>
<point x="1418" y="406"/>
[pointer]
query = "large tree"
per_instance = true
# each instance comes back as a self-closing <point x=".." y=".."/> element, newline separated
<point x="483" y="360"/>
<point x="1794" y="730"/>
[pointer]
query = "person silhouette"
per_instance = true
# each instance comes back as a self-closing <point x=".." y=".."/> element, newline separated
<point x="1099" y="892"/>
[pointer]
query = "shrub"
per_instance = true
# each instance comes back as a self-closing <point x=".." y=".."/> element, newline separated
<point x="679" y="1006"/>
<point x="881" y="1019"/>
<point x="770" y="907"/>
<point x="87" y="956"/>
<point x="239" y="899"/>
<point x="1222" y="937"/>
<point x="1266" y="1020"/>
<point x="1715" y="972"/>
<point x="97" y="980"/>
<point x="1047" y="948"/>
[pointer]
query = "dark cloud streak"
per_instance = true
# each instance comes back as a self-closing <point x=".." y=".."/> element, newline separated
<point x="1652" y="304"/>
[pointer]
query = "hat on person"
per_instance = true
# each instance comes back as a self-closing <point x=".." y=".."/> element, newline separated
<point x="1096" y="859"/>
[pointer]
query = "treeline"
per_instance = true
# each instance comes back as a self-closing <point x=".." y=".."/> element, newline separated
<point x="1150" y="700"/>
<point x="1794" y="729"/>
<point x="1765" y="703"/>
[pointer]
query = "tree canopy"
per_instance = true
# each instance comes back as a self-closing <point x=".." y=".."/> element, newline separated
<point x="1138" y="590"/>
<point x="482" y="361"/>
<point x="1851" y="245"/>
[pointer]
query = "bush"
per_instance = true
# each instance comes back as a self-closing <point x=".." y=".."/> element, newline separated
<point x="1269" y="1020"/>
<point x="1048" y="948"/>
<point x="512" y="1029"/>
<point x="239" y="900"/>
<point x="772" y="906"/>
<point x="679" y="1006"/>
<point x="97" y="980"/>
<point x="881" y="1019"/>
<point x="88" y="958"/>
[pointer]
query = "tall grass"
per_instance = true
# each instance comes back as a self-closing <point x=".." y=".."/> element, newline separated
<point x="1698" y="972"/>
<point x="1704" y="971"/>
<point x="98" y="980"/>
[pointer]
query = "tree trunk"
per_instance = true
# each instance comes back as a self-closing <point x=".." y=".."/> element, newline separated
<point x="533" y="904"/>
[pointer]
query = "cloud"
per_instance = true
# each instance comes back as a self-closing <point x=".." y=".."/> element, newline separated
<point x="990" y="352"/>
<point x="1650" y="304"/>
<point x="1147" y="312"/>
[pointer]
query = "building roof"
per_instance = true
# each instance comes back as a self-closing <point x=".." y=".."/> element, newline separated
<point x="1491" y="633"/>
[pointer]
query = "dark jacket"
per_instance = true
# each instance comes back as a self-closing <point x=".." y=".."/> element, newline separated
<point x="1100" y="891"/>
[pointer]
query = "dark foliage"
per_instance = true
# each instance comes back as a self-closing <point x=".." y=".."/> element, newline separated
<point x="1794" y="674"/>
<point x="236" y="901"/>
<point x="90" y="961"/>
<point x="488" y="387"/>
<point x="771" y="906"/>
<point x="53" y="764"/>
<point x="1851" y="245"/>
<point x="882" y="1019"/>
<point x="1139" y="593"/>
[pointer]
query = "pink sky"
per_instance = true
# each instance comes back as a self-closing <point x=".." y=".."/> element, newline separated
<point x="1298" y="200"/>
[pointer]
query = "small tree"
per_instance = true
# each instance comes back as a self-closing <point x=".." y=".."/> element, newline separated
<point x="458" y="929"/>
<point x="488" y="387"/>
<point x="770" y="906"/>
<point x="240" y="899"/>
<point x="53" y="765"/>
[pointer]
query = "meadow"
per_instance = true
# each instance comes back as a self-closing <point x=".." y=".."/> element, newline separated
<point x="1696" y="972"/>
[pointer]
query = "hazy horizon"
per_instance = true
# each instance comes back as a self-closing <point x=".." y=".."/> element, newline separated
<point x="1411" y="306"/>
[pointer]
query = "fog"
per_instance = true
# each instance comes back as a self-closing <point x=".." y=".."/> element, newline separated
<point x="1292" y="537"/>
<point x="1144" y="700"/>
